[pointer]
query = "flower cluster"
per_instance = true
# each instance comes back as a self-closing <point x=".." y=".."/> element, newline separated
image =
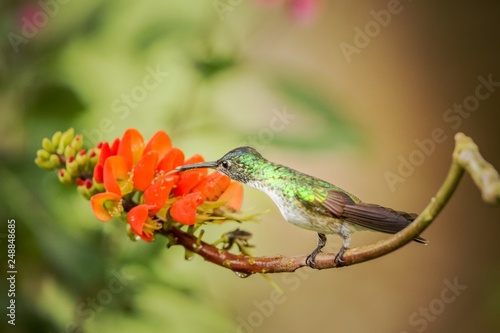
<point x="64" y="152"/>
<point x="137" y="181"/>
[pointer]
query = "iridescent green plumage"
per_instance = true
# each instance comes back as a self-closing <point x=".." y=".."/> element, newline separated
<point x="306" y="201"/>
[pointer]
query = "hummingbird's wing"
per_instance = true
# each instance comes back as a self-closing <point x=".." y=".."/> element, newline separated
<point x="370" y="216"/>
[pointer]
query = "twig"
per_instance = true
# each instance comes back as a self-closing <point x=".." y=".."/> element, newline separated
<point x="466" y="156"/>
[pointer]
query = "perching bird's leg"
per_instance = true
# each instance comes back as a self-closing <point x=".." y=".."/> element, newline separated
<point x="321" y="244"/>
<point x="344" y="233"/>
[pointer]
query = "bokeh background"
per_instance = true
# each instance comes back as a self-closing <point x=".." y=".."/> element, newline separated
<point x="274" y="74"/>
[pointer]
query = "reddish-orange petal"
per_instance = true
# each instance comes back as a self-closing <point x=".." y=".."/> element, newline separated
<point x="146" y="237"/>
<point x="114" y="146"/>
<point x="172" y="159"/>
<point x="212" y="186"/>
<point x="136" y="217"/>
<point x="144" y="170"/>
<point x="187" y="181"/>
<point x="99" y="173"/>
<point x="115" y="169"/>
<point x="131" y="147"/>
<point x="160" y="142"/>
<point x="184" y="209"/>
<point x="233" y="195"/>
<point x="101" y="202"/>
<point x="105" y="153"/>
<point x="156" y="194"/>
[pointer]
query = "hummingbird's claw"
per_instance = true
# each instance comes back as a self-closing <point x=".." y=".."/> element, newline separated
<point x="310" y="260"/>
<point x="321" y="244"/>
<point x="339" y="262"/>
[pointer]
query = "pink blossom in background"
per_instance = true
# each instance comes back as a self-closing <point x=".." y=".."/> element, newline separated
<point x="27" y="15"/>
<point x="304" y="10"/>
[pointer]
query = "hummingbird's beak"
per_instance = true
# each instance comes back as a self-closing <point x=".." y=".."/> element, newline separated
<point x="211" y="165"/>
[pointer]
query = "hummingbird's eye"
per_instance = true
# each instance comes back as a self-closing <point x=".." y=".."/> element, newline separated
<point x="226" y="164"/>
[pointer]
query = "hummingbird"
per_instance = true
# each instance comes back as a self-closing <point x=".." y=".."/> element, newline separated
<point x="308" y="202"/>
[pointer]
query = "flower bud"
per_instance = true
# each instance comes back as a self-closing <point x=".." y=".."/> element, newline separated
<point x="42" y="154"/>
<point x="56" y="138"/>
<point x="55" y="162"/>
<point x="82" y="158"/>
<point x="48" y="146"/>
<point x="69" y="152"/>
<point x="44" y="164"/>
<point x="64" y="176"/>
<point x="84" y="192"/>
<point x="77" y="142"/>
<point x="66" y="139"/>
<point x="94" y="155"/>
<point x="73" y="167"/>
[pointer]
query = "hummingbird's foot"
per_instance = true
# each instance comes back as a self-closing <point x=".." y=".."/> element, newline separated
<point x="310" y="260"/>
<point x="321" y="244"/>
<point x="339" y="262"/>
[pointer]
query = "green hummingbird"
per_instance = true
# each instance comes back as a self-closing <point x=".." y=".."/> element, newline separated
<point x="306" y="201"/>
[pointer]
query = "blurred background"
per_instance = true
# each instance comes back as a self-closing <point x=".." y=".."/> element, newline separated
<point x="350" y="92"/>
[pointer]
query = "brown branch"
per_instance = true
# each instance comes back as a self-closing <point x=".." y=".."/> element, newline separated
<point x="466" y="156"/>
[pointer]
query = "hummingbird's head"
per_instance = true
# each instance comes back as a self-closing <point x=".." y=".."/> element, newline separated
<point x="238" y="164"/>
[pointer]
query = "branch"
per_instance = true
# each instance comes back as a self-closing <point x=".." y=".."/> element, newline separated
<point x="466" y="157"/>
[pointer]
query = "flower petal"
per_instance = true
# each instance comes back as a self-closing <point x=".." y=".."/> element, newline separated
<point x="136" y="217"/>
<point x="103" y="203"/>
<point x="212" y="186"/>
<point x="184" y="209"/>
<point x="156" y="194"/>
<point x="187" y="181"/>
<point x="115" y="169"/>
<point x="131" y="147"/>
<point x="99" y="173"/>
<point x="160" y="142"/>
<point x="105" y="153"/>
<point x="172" y="159"/>
<point x="233" y="195"/>
<point x="114" y="147"/>
<point x="144" y="170"/>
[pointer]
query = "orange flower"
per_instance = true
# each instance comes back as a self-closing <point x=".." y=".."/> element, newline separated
<point x="106" y="151"/>
<point x="106" y="205"/>
<point x="137" y="174"/>
<point x="184" y="210"/>
<point x="233" y="196"/>
<point x="140" y="222"/>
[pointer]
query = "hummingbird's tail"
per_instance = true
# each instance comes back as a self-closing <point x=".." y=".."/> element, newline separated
<point x="369" y="216"/>
<point x="380" y="218"/>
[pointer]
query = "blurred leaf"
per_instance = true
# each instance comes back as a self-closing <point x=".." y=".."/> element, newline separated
<point x="213" y="66"/>
<point x="56" y="101"/>
<point x="335" y="129"/>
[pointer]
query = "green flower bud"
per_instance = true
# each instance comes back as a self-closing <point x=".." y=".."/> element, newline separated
<point x="56" y="138"/>
<point x="84" y="191"/>
<point x="97" y="187"/>
<point x="64" y="177"/>
<point x="94" y="156"/>
<point x="69" y="152"/>
<point x="82" y="158"/>
<point x="55" y="161"/>
<point x="42" y="154"/>
<point x="77" y="142"/>
<point x="47" y="145"/>
<point x="66" y="139"/>
<point x="44" y="164"/>
<point x="73" y="167"/>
